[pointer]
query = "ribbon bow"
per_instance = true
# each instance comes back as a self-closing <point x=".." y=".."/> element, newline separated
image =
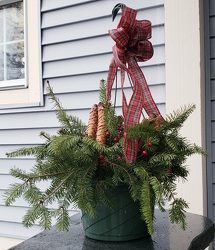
<point x="132" y="46"/>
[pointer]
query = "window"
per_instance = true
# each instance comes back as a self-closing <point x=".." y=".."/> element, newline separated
<point x="20" y="62"/>
<point x="12" y="59"/>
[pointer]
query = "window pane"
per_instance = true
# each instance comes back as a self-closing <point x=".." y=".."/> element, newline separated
<point x="15" y="61"/>
<point x="1" y="63"/>
<point x="1" y="25"/>
<point x="14" y="22"/>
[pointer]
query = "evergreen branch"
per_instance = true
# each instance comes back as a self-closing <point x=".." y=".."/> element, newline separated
<point x="142" y="130"/>
<point x="64" y="143"/>
<point x="157" y="188"/>
<point x="111" y="120"/>
<point x="45" y="135"/>
<point x="195" y="149"/>
<point x="141" y="173"/>
<point x="18" y="173"/>
<point x="31" y="216"/>
<point x="62" y="216"/>
<point x="45" y="218"/>
<point x="163" y="159"/>
<point x="39" y="177"/>
<point x="49" y="192"/>
<point x="116" y="149"/>
<point x="15" y="191"/>
<point x="22" y="175"/>
<point x="34" y="213"/>
<point x="33" y="193"/>
<point x="37" y="150"/>
<point x="177" y="212"/>
<point x="102" y="193"/>
<point x="121" y="169"/>
<point x="146" y="204"/>
<point x="178" y="117"/>
<point x="170" y="192"/>
<point x="91" y="143"/>
<point x="77" y="126"/>
<point x="102" y="92"/>
<point x="85" y="193"/>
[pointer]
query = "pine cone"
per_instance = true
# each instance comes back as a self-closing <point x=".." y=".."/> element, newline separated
<point x="101" y="134"/>
<point x="155" y="120"/>
<point x="93" y="122"/>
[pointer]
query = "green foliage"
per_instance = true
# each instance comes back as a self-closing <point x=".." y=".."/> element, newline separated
<point x="146" y="204"/>
<point x="176" y="119"/>
<point x="111" y="120"/>
<point x="69" y="124"/>
<point x="78" y="175"/>
<point x="177" y="212"/>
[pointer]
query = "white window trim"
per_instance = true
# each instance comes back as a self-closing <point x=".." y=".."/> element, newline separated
<point x="32" y="94"/>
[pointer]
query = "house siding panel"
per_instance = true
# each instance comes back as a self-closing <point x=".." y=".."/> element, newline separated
<point x="212" y="67"/>
<point x="92" y="63"/>
<point x="212" y="25"/>
<point x="76" y="52"/>
<point x="90" y="28"/>
<point x="71" y="49"/>
<point x="210" y="102"/>
<point x="212" y="44"/>
<point x="212" y="8"/>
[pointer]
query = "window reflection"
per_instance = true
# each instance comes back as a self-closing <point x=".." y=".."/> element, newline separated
<point x="14" y="55"/>
<point x="1" y="26"/>
<point x="12" y="42"/>
<point x="1" y="63"/>
<point x="14" y="22"/>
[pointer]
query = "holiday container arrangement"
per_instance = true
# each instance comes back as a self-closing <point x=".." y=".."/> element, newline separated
<point x="85" y="163"/>
<point x="116" y="168"/>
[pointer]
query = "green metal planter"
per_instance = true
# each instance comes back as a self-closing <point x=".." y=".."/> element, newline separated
<point x="122" y="223"/>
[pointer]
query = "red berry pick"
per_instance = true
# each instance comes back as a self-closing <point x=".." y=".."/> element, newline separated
<point x="101" y="157"/>
<point x="116" y="139"/>
<point x="108" y="134"/>
<point x="145" y="152"/>
<point x="150" y="144"/>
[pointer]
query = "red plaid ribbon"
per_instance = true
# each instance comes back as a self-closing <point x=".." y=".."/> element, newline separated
<point x="132" y="45"/>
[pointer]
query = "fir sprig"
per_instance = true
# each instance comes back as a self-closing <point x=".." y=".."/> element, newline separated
<point x="177" y="212"/>
<point x="69" y="124"/>
<point x="176" y="119"/>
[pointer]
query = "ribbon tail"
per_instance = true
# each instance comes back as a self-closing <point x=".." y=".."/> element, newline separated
<point x="124" y="101"/>
<point x="132" y="117"/>
<point x="130" y="150"/>
<point x="149" y="104"/>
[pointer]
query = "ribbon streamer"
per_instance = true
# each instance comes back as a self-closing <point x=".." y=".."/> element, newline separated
<point x="132" y="46"/>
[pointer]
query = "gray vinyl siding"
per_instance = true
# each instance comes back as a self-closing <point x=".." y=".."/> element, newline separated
<point x="81" y="52"/>
<point x="210" y="102"/>
<point x="76" y="52"/>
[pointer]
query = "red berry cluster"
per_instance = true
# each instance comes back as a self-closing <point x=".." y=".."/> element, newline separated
<point x="120" y="132"/>
<point x="145" y="152"/>
<point x="110" y="140"/>
<point x="102" y="161"/>
<point x="119" y="135"/>
<point x="101" y="157"/>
